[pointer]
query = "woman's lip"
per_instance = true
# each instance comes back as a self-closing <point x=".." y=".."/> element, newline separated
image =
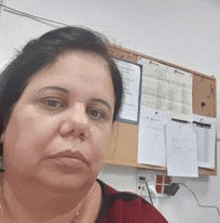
<point x="68" y="155"/>
<point x="69" y="163"/>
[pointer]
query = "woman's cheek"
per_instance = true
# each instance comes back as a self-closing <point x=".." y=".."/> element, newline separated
<point x="96" y="151"/>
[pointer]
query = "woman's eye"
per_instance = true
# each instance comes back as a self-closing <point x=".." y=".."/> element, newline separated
<point x="53" y="103"/>
<point x="95" y="113"/>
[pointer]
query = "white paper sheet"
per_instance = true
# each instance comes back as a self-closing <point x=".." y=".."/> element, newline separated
<point x="181" y="150"/>
<point x="131" y="75"/>
<point x="167" y="89"/>
<point x="151" y="140"/>
<point x="205" y="128"/>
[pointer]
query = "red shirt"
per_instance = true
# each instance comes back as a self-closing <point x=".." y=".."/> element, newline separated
<point x="119" y="207"/>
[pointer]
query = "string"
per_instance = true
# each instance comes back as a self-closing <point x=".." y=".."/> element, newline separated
<point x="33" y="17"/>
<point x="149" y="193"/>
<point x="203" y="206"/>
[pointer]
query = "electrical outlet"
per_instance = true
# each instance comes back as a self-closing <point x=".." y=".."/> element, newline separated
<point x="141" y="186"/>
<point x="150" y="177"/>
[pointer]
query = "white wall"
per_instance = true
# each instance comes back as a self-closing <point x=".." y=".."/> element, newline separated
<point x="185" y="32"/>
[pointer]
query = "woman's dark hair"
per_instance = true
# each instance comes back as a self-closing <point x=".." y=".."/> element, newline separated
<point x="40" y="52"/>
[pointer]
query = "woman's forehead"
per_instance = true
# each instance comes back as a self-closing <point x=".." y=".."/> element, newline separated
<point x="75" y="71"/>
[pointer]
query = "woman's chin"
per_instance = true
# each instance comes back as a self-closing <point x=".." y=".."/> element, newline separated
<point x="66" y="182"/>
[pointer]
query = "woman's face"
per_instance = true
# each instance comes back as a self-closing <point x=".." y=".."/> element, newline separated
<point x="58" y="128"/>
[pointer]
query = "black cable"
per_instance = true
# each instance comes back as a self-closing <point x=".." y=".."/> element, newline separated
<point x="36" y="18"/>
<point x="149" y="193"/>
<point x="33" y="18"/>
<point x="203" y="206"/>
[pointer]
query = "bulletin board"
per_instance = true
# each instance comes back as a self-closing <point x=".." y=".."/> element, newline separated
<point x="122" y="148"/>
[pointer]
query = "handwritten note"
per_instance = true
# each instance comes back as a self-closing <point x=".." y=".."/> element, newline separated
<point x="151" y="137"/>
<point x="182" y="159"/>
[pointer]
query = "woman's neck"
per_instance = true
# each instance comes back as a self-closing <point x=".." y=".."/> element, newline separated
<point x="30" y="203"/>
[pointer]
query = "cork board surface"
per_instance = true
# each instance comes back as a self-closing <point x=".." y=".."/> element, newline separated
<point x="204" y="96"/>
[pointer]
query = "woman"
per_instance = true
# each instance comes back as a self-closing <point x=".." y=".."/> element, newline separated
<point x="58" y="101"/>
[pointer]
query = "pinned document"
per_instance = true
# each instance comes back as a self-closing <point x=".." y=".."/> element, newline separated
<point x="182" y="159"/>
<point x="151" y="140"/>
<point x="131" y="75"/>
<point x="167" y="89"/>
<point x="205" y="128"/>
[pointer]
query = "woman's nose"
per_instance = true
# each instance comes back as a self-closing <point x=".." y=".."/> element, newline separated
<point x="75" y="123"/>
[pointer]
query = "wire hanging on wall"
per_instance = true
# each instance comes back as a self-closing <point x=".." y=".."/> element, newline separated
<point x="33" y="17"/>
<point x="203" y="206"/>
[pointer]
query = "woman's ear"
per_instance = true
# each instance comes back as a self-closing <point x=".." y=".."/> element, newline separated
<point x="2" y="139"/>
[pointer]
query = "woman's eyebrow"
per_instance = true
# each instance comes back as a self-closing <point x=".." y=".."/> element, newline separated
<point x="101" y="101"/>
<point x="63" y="90"/>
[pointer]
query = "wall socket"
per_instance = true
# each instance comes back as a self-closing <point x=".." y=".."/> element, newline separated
<point x="141" y="186"/>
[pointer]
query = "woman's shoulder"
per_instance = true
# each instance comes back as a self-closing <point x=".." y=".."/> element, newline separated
<point x="128" y="207"/>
